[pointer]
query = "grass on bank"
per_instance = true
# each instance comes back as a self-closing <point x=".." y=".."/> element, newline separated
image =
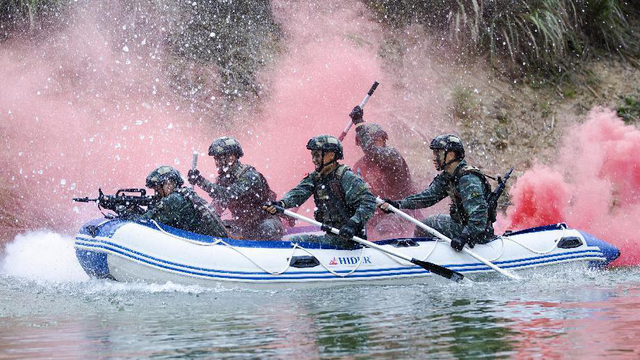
<point x="547" y="36"/>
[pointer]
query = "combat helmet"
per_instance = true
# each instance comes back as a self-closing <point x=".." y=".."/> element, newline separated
<point x="374" y="130"/>
<point x="447" y="142"/>
<point x="225" y="145"/>
<point x="163" y="174"/>
<point x="326" y="143"/>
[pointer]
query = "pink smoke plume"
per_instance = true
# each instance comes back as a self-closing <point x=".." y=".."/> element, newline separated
<point x="594" y="186"/>
<point x="84" y="109"/>
<point x="91" y="106"/>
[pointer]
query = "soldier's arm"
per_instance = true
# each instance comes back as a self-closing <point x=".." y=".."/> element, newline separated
<point x="358" y="196"/>
<point x="299" y="194"/>
<point x="473" y="200"/>
<point x="436" y="191"/>
<point x="165" y="211"/>
<point x="386" y="157"/>
<point x="222" y="195"/>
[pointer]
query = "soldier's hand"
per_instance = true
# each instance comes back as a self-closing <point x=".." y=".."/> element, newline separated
<point x="270" y="206"/>
<point x="194" y="177"/>
<point x="385" y="205"/>
<point x="348" y="230"/>
<point x="458" y="243"/>
<point x="356" y="115"/>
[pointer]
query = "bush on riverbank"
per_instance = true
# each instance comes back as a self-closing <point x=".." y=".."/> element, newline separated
<point x="548" y="36"/>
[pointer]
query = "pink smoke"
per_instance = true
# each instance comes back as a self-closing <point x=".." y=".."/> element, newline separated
<point x="594" y="186"/>
<point x="83" y="110"/>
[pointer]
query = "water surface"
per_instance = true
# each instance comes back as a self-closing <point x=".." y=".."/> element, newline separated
<point x="49" y="308"/>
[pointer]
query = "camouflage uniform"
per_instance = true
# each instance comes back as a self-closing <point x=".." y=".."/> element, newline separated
<point x="182" y="208"/>
<point x="387" y="174"/>
<point x="339" y="196"/>
<point x="468" y="189"/>
<point x="243" y="190"/>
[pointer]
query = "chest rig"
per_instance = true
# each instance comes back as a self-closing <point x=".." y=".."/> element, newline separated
<point x="247" y="205"/>
<point x="456" y="210"/>
<point x="329" y="197"/>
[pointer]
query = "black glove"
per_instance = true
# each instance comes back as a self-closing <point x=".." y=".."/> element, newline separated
<point x="356" y="115"/>
<point x="394" y="203"/>
<point x="458" y="242"/>
<point x="348" y="230"/>
<point x="194" y="177"/>
<point x="269" y="206"/>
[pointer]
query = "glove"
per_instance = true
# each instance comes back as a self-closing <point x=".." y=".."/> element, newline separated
<point x="457" y="243"/>
<point x="356" y="115"/>
<point x="270" y="206"/>
<point x="394" y="203"/>
<point x="348" y="230"/>
<point x="194" y="177"/>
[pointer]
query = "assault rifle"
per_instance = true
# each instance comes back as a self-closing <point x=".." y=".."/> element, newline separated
<point x="125" y="203"/>
<point x="492" y="200"/>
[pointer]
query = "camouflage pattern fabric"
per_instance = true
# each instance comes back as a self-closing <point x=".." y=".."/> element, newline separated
<point x="388" y="176"/>
<point x="339" y="196"/>
<point x="442" y="223"/>
<point x="243" y="190"/>
<point x="468" y="193"/>
<point x="184" y="209"/>
<point x="383" y="168"/>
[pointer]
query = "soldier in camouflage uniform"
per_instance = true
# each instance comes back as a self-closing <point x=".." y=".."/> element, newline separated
<point x="385" y="170"/>
<point x="342" y="198"/>
<point x="181" y="207"/>
<point x="469" y="222"/>
<point x="241" y="189"/>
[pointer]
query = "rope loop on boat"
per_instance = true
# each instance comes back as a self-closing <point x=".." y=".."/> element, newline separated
<point x="293" y="250"/>
<point x="539" y="252"/>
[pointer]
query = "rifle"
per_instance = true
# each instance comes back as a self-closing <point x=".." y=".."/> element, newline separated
<point x="124" y="203"/>
<point x="492" y="200"/>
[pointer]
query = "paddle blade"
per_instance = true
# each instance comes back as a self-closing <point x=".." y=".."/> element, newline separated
<point x="439" y="270"/>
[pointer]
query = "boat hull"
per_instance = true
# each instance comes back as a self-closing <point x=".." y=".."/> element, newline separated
<point x="154" y="253"/>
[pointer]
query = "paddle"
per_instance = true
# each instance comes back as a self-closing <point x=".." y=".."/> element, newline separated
<point x="433" y="268"/>
<point x="362" y="104"/>
<point x="439" y="235"/>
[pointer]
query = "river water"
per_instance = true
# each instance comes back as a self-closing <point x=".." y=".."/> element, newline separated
<point x="49" y="308"/>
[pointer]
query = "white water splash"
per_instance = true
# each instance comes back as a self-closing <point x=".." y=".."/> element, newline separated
<point x="42" y="256"/>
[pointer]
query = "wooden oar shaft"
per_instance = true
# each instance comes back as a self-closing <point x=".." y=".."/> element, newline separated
<point x="437" y="234"/>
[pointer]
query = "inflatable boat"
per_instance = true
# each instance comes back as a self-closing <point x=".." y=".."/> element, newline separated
<point x="150" y="252"/>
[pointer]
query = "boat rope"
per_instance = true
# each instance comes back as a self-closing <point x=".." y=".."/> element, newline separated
<point x="539" y="252"/>
<point x="502" y="240"/>
<point x="293" y="250"/>
<point x="330" y="270"/>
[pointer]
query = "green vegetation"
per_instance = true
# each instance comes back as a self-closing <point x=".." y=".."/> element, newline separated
<point x="629" y="111"/>
<point x="465" y="103"/>
<point x="547" y="36"/>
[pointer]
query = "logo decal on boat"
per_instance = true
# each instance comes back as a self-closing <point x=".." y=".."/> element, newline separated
<point x="352" y="260"/>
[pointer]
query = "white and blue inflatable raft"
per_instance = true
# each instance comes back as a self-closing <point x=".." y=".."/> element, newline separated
<point x="130" y="251"/>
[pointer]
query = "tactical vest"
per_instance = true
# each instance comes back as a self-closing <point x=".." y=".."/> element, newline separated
<point x="329" y="197"/>
<point x="247" y="207"/>
<point x="457" y="211"/>
<point x="210" y="222"/>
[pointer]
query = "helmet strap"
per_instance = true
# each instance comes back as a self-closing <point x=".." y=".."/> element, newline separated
<point x="323" y="165"/>
<point x="442" y="165"/>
